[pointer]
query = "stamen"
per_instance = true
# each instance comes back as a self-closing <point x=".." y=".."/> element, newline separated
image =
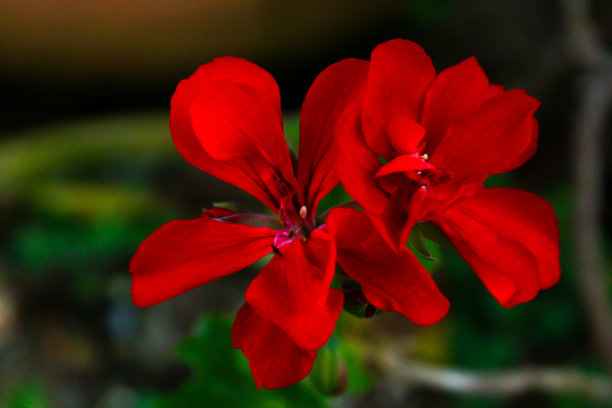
<point x="303" y="212"/>
<point x="425" y="156"/>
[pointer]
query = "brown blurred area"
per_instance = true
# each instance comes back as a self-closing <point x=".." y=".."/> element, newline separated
<point x="61" y="57"/>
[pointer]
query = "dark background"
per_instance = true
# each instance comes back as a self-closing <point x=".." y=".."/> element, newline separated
<point x="88" y="170"/>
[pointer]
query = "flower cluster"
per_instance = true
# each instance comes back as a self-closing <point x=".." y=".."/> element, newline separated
<point x="408" y="145"/>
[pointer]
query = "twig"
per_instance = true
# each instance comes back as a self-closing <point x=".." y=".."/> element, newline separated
<point x="593" y="105"/>
<point x="588" y="138"/>
<point x="582" y="39"/>
<point x="557" y="381"/>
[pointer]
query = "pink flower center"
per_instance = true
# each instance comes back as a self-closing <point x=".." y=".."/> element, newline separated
<point x="295" y="218"/>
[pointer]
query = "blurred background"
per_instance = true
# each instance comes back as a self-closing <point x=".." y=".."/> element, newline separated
<point x="88" y="170"/>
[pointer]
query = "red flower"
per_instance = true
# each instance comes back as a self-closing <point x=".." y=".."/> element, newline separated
<point x="226" y="120"/>
<point x="440" y="136"/>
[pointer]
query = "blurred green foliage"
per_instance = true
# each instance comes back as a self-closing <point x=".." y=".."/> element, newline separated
<point x="28" y="394"/>
<point x="222" y="377"/>
<point x="79" y="200"/>
<point x="79" y="206"/>
<point x="77" y="149"/>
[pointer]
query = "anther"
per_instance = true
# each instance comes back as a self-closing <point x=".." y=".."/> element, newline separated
<point x="303" y="212"/>
<point x="425" y="156"/>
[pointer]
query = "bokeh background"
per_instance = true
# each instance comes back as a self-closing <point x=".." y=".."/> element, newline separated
<point x="88" y="170"/>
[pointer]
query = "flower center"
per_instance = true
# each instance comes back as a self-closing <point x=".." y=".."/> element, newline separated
<point x="297" y="223"/>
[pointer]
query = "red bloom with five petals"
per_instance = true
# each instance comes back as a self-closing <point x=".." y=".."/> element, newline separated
<point x="439" y="137"/>
<point x="226" y="120"/>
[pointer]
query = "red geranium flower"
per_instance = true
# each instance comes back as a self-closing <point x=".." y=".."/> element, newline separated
<point x="439" y="137"/>
<point x="226" y="120"/>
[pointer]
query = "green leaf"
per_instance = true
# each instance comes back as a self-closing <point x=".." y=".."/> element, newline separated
<point x="291" y="125"/>
<point x="433" y="234"/>
<point x="227" y="205"/>
<point x="354" y="306"/>
<point x="417" y="243"/>
<point x="355" y="301"/>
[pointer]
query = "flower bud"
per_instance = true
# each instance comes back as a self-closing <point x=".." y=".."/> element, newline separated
<point x="355" y="301"/>
<point x="329" y="372"/>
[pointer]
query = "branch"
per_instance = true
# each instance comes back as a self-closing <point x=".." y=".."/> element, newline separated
<point x="582" y="39"/>
<point x="554" y="381"/>
<point x="589" y="161"/>
<point x="594" y="103"/>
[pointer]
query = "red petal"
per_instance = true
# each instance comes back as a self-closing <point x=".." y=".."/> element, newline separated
<point x="275" y="360"/>
<point x="456" y="92"/>
<point x="254" y="173"/>
<point x="358" y="165"/>
<point x="393" y="281"/>
<point x="487" y="140"/>
<point x="182" y="255"/>
<point x="232" y="120"/>
<point x="510" y="238"/>
<point x="293" y="291"/>
<point x="406" y="162"/>
<point x="405" y="135"/>
<point x="406" y="206"/>
<point x="336" y="88"/>
<point x="400" y="72"/>
<point x="529" y="150"/>
<point x="392" y="221"/>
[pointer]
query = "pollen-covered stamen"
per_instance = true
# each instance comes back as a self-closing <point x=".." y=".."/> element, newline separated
<point x="298" y="223"/>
